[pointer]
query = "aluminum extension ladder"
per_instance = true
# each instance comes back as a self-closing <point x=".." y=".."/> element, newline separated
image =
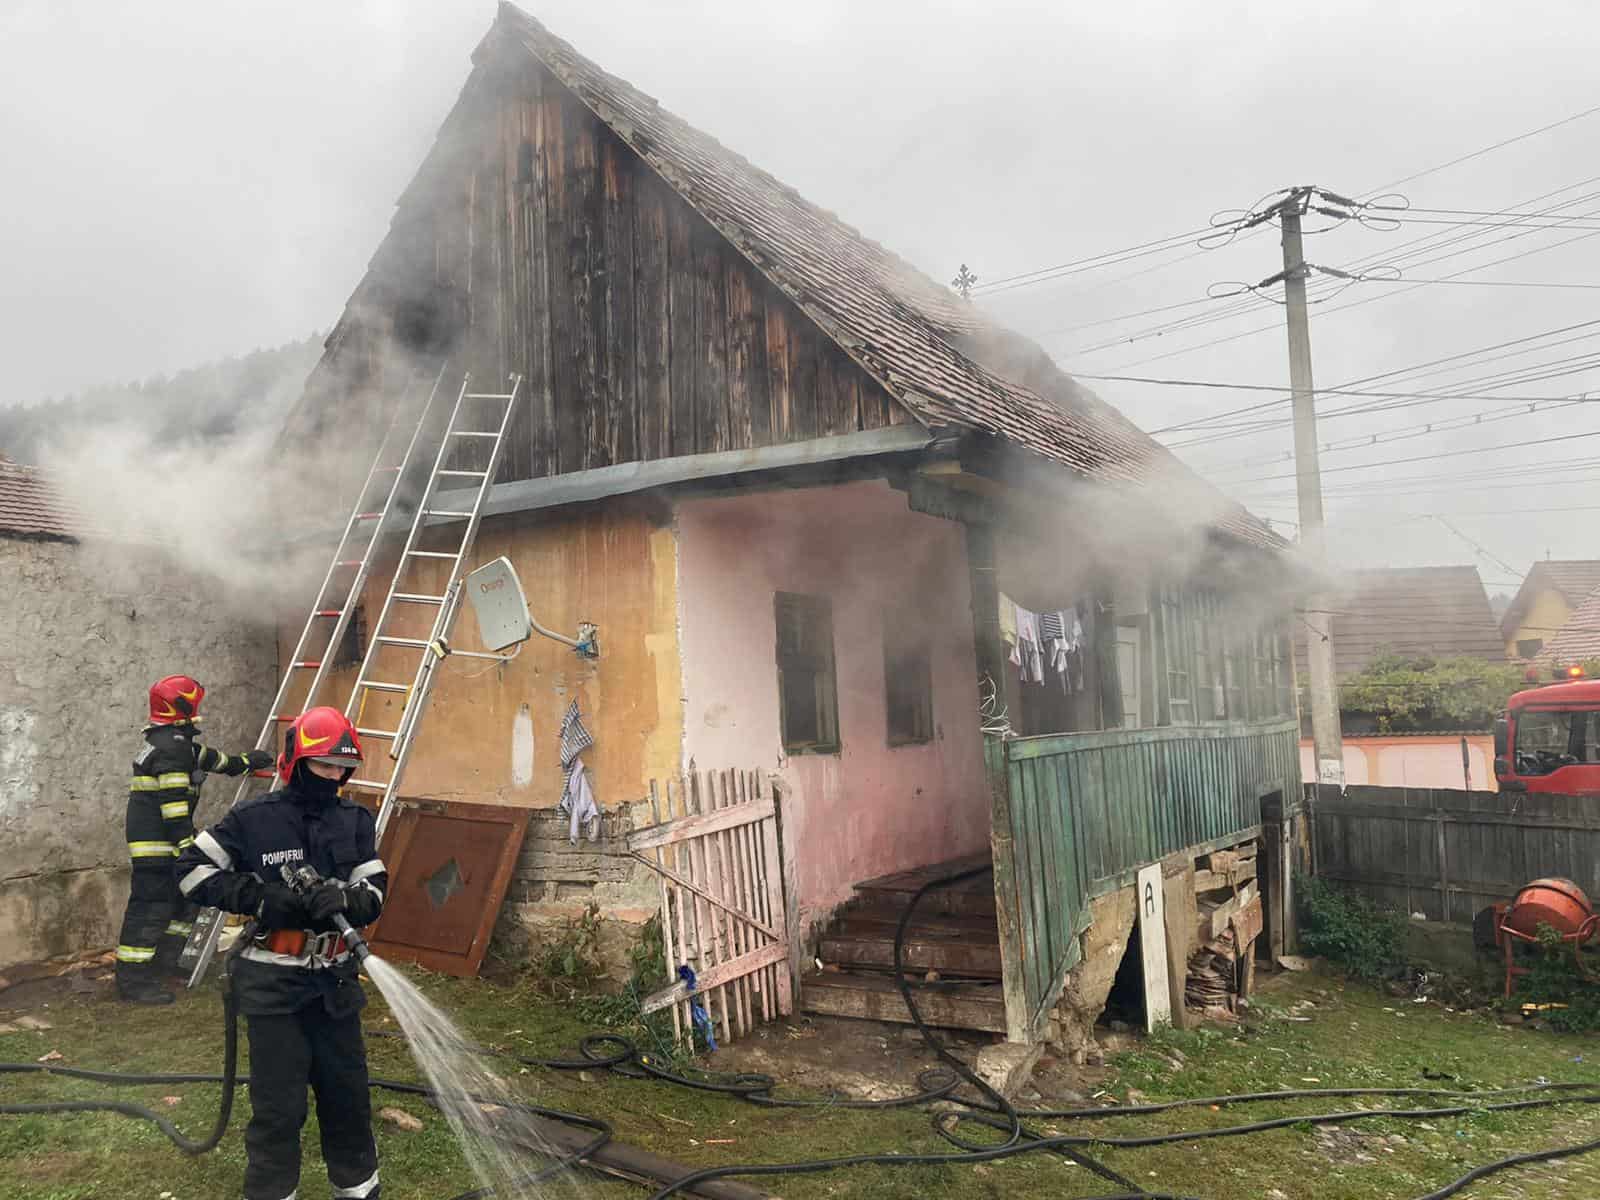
<point x="431" y="650"/>
<point x="364" y="529"/>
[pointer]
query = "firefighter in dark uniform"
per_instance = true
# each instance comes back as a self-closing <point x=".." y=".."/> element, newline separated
<point x="160" y="824"/>
<point x="295" y="982"/>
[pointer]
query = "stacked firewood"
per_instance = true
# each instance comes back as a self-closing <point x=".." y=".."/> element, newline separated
<point x="1211" y="981"/>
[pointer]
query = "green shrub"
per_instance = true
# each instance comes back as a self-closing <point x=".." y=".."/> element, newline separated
<point x="1553" y="978"/>
<point x="1350" y="931"/>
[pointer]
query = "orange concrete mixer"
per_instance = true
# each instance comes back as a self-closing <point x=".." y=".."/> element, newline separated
<point x="1557" y="903"/>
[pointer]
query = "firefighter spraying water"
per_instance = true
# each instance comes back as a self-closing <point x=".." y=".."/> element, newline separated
<point x="302" y="862"/>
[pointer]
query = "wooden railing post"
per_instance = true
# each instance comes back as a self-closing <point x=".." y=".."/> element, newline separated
<point x="1007" y="893"/>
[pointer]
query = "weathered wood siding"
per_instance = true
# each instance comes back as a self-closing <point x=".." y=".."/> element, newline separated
<point x="1447" y="853"/>
<point x="556" y="252"/>
<point x="1076" y="815"/>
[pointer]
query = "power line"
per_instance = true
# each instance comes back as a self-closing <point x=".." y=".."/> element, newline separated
<point x="1487" y="475"/>
<point x="1433" y="485"/>
<point x="1393" y="462"/>
<point x="1353" y="304"/>
<point x="1398" y="371"/>
<point x="1532" y="373"/>
<point x="1392" y="254"/>
<point x="1092" y="262"/>
<point x="1405" y="433"/>
<point x="1500" y="145"/>
<point x="1503" y="283"/>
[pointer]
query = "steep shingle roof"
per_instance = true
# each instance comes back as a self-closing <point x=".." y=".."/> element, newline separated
<point x="1435" y="612"/>
<point x="32" y="507"/>
<point x="1579" y="639"/>
<point x="896" y="322"/>
<point x="1574" y="578"/>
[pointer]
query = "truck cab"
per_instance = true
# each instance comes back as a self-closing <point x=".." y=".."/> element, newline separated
<point x="1549" y="739"/>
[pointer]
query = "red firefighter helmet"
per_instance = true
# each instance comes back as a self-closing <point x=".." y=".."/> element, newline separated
<point x="322" y="735"/>
<point x="175" y="699"/>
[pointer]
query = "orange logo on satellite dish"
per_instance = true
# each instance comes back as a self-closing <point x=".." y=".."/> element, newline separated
<point x="491" y="586"/>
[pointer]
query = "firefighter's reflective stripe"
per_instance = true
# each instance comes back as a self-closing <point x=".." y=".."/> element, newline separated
<point x="196" y="877"/>
<point x="135" y="954"/>
<point x="359" y="1191"/>
<point x="159" y="783"/>
<point x="173" y="809"/>
<point x="213" y="850"/>
<point x="362" y="874"/>
<point x="373" y="866"/>
<point x="152" y="849"/>
<point x="261" y="954"/>
<point x="184" y="844"/>
<point x="181" y="928"/>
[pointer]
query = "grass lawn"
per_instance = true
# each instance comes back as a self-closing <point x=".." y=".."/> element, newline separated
<point x="1354" y="1036"/>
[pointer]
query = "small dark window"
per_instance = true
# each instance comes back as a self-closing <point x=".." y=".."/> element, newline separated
<point x="908" y="682"/>
<point x="1528" y="647"/>
<point x="808" y="701"/>
<point x="353" y="645"/>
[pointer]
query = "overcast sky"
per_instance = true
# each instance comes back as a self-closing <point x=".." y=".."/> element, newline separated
<point x="187" y="179"/>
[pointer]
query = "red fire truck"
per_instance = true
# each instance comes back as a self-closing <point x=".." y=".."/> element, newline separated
<point x="1549" y="738"/>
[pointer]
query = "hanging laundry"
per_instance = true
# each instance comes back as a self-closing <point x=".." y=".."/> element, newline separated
<point x="577" y="797"/>
<point x="575" y="738"/>
<point x="1052" y="633"/>
<point x="578" y="806"/>
<point x="1032" y="656"/>
<point x="1008" y="628"/>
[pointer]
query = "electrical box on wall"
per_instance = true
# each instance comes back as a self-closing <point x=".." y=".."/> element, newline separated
<point x="495" y="593"/>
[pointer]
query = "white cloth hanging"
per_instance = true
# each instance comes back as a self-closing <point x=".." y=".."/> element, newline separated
<point x="1028" y="643"/>
<point x="578" y="805"/>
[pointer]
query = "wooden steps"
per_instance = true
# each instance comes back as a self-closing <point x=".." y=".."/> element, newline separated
<point x="954" y="933"/>
<point x="875" y="997"/>
<point x="953" y="945"/>
<point x="974" y="897"/>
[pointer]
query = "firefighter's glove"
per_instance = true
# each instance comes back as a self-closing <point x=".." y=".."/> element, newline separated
<point x="281" y="907"/>
<point x="323" y="903"/>
<point x="258" y="760"/>
<point x="362" y="905"/>
<point x="240" y="893"/>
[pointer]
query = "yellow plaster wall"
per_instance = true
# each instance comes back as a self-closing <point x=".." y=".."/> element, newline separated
<point x="615" y="566"/>
<point x="1548" y="613"/>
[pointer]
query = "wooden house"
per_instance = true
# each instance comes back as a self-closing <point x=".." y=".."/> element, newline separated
<point x="804" y="492"/>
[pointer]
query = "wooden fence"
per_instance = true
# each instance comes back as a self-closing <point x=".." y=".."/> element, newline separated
<point x="1447" y="854"/>
<point x="1076" y="815"/>
<point x="727" y="901"/>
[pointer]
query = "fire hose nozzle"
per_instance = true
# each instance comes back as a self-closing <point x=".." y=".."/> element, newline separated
<point x="304" y="879"/>
<point x="353" y="939"/>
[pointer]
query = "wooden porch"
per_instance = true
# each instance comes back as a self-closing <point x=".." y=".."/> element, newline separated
<point x="1074" y="817"/>
<point x="954" y="936"/>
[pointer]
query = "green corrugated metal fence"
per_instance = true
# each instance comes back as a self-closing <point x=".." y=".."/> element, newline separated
<point x="1076" y="815"/>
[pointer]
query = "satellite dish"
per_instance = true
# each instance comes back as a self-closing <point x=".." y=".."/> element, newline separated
<point x="495" y="593"/>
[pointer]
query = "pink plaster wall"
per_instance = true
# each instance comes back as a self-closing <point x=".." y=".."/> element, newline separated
<point x="871" y="809"/>
<point x="1419" y="761"/>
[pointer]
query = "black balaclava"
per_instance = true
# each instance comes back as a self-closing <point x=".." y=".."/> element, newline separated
<point x="314" y="787"/>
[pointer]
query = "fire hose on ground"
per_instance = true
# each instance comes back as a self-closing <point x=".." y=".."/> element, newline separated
<point x="994" y="1112"/>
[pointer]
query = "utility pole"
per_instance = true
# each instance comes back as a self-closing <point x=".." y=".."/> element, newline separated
<point x="1325" y="733"/>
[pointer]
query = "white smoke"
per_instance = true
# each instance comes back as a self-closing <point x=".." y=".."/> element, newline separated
<point x="256" y="519"/>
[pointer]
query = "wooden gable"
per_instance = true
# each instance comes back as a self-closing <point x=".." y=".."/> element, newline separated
<point x="549" y="248"/>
